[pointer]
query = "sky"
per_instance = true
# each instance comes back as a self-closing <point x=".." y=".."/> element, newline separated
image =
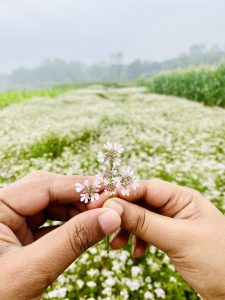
<point x="90" y="30"/>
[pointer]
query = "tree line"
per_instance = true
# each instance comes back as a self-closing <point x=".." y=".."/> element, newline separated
<point x="57" y="71"/>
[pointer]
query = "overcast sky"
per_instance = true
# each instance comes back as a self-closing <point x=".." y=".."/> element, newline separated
<point x="90" y="30"/>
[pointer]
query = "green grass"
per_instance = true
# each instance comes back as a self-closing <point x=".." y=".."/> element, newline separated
<point x="204" y="84"/>
<point x="16" y="96"/>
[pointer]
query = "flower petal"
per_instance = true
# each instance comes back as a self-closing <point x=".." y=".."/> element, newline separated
<point x="78" y="187"/>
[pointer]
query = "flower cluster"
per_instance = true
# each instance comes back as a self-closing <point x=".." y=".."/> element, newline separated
<point x="110" y="177"/>
<point x="90" y="191"/>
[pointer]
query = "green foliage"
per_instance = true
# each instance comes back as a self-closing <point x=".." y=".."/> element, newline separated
<point x="14" y="96"/>
<point x="52" y="145"/>
<point x="205" y="84"/>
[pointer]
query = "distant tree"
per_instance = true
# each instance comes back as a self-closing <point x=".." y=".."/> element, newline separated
<point x="197" y="49"/>
<point x="116" y="58"/>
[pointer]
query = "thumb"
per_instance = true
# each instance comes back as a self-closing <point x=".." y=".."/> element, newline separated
<point x="55" y="251"/>
<point x="161" y="231"/>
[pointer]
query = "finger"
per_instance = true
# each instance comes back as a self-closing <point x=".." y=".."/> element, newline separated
<point x="54" y="212"/>
<point x="97" y="204"/>
<point x="154" y="192"/>
<point x="138" y="247"/>
<point x="50" y="255"/>
<point x="161" y="231"/>
<point x="38" y="233"/>
<point x="166" y="198"/>
<point x="119" y="239"/>
<point x="28" y="197"/>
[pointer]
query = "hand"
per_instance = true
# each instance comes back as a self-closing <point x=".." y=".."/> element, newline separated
<point x="32" y="257"/>
<point x="182" y="223"/>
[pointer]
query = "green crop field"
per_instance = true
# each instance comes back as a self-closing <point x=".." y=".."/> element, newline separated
<point x="202" y="84"/>
<point x="164" y="136"/>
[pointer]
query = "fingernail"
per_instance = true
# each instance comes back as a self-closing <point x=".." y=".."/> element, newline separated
<point x="114" y="235"/>
<point x="115" y="206"/>
<point x="134" y="241"/>
<point x="109" y="221"/>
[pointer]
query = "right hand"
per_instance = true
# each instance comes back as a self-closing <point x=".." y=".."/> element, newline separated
<point x="183" y="224"/>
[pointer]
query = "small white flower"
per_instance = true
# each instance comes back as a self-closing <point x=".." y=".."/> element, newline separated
<point x="79" y="187"/>
<point x="148" y="295"/>
<point x="59" y="293"/>
<point x="107" y="291"/>
<point x="133" y="285"/>
<point x="100" y="157"/>
<point x="148" y="279"/>
<point x="135" y="271"/>
<point x="90" y="191"/>
<point x="111" y="186"/>
<point x="111" y="155"/>
<point x="84" y="198"/>
<point x="127" y="181"/>
<point x="93" y="250"/>
<point x="91" y="284"/>
<point x="80" y="283"/>
<point x="93" y="272"/>
<point x="106" y="175"/>
<point x="173" y="279"/>
<point x="110" y="281"/>
<point x="124" y="294"/>
<point x="160" y="293"/>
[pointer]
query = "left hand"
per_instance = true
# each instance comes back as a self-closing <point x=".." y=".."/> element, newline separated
<point x="32" y="257"/>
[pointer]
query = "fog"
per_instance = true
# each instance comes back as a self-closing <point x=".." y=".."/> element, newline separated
<point x="90" y="30"/>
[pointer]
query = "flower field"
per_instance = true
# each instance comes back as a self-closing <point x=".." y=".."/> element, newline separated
<point x="163" y="136"/>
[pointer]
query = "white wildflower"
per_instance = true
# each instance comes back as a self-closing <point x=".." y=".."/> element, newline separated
<point x="173" y="279"/>
<point x="92" y="250"/>
<point x="107" y="291"/>
<point x="93" y="272"/>
<point x="58" y="293"/>
<point x="91" y="284"/>
<point x="80" y="283"/>
<point x="160" y="293"/>
<point x="110" y="281"/>
<point x="134" y="285"/>
<point x="136" y="270"/>
<point x="148" y="279"/>
<point x="90" y="191"/>
<point x="124" y="293"/>
<point x="148" y="295"/>
<point x="127" y="181"/>
<point x="111" y="154"/>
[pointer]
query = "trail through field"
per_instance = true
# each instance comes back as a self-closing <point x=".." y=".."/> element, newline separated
<point x="167" y="137"/>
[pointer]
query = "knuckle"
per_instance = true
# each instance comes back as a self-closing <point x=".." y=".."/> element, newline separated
<point x="79" y="238"/>
<point x="193" y="194"/>
<point x="140" y="224"/>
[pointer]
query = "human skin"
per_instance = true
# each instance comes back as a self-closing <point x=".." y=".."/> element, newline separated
<point x="183" y="224"/>
<point x="31" y="258"/>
